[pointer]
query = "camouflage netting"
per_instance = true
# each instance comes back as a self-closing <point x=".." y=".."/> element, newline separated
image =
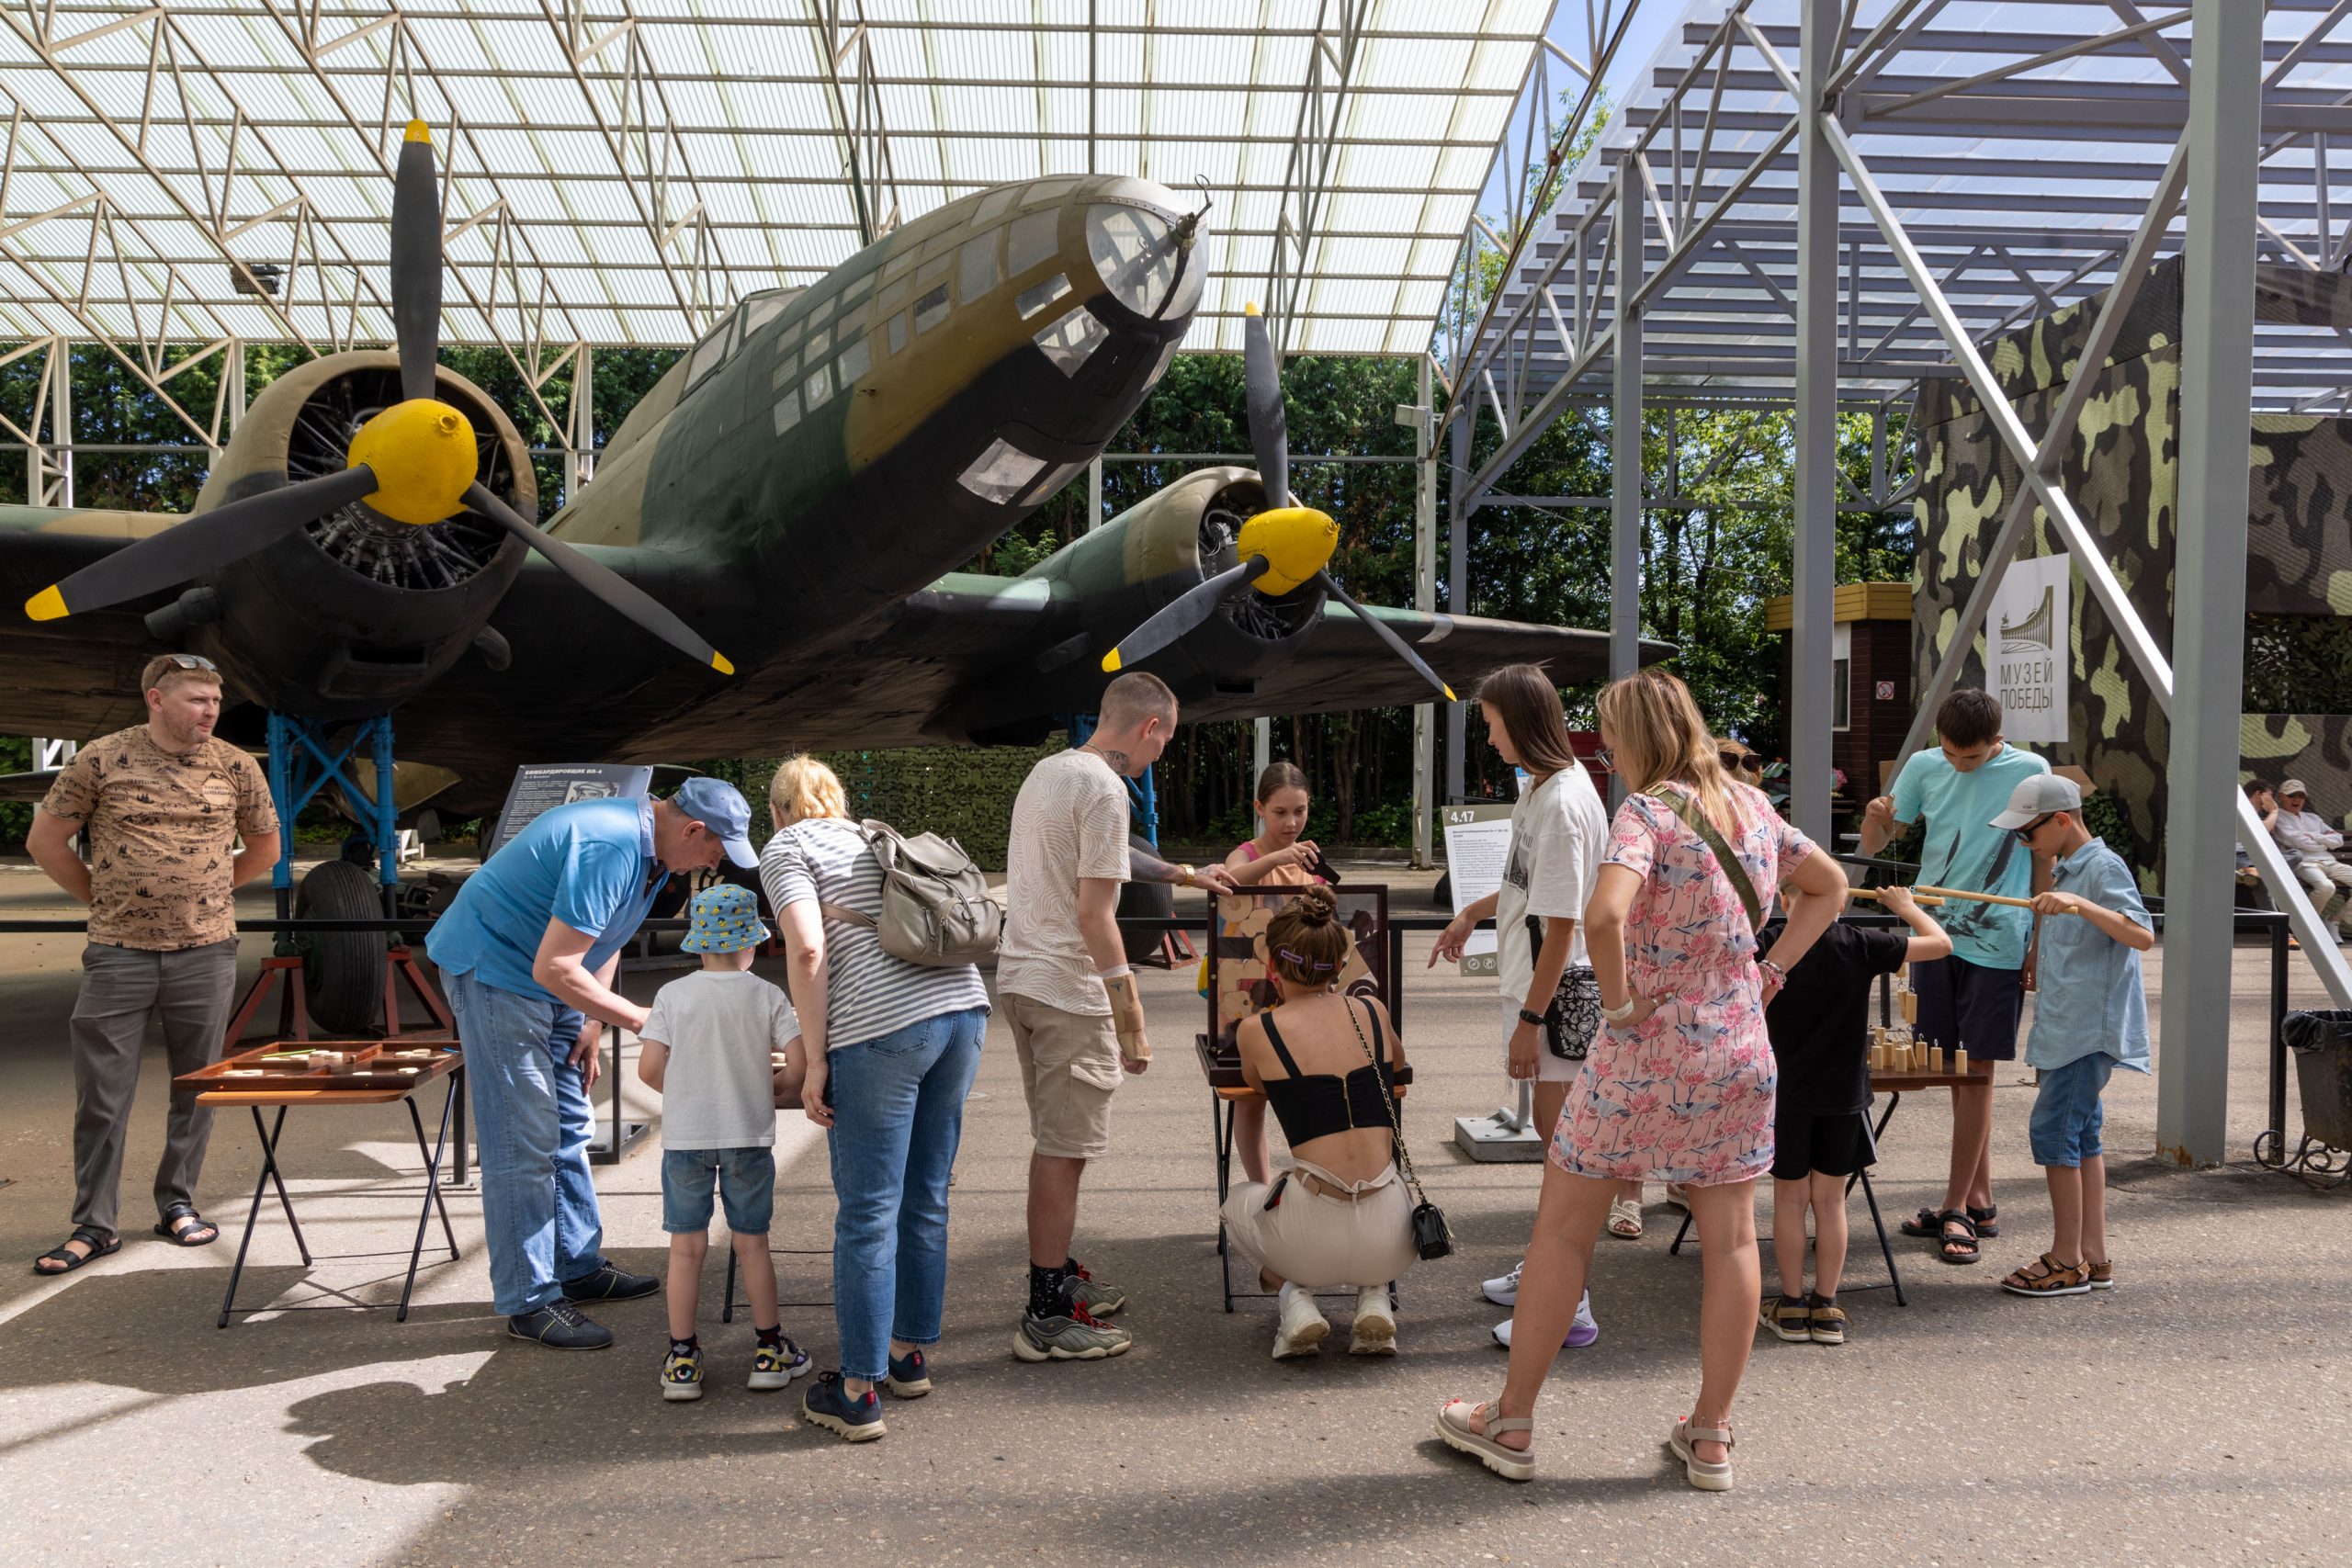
<point x="2122" y="473"/>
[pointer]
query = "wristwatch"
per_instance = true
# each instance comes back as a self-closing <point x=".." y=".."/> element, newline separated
<point x="1529" y="1015"/>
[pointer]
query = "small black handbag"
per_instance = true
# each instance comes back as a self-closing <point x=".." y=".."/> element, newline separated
<point x="1433" y="1238"/>
<point x="1572" y="1021"/>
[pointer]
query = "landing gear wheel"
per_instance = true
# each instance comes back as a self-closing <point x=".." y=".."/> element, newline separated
<point x="1145" y="901"/>
<point x="343" y="972"/>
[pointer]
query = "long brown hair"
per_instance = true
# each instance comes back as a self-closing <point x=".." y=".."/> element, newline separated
<point x="1658" y="738"/>
<point x="1529" y="706"/>
<point x="1305" y="943"/>
<point x="1280" y="775"/>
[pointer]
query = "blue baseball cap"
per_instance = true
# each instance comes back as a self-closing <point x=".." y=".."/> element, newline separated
<point x="719" y="807"/>
<point x="727" y="920"/>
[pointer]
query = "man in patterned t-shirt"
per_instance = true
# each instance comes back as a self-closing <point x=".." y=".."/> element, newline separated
<point x="163" y="804"/>
<point x="1064" y="984"/>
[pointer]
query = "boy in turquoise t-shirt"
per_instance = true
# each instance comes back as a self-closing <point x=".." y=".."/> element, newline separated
<point x="1972" y="1000"/>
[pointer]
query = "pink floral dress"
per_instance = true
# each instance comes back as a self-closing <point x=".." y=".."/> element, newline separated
<point x="1687" y="1096"/>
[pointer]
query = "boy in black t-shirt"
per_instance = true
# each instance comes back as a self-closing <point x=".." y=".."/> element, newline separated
<point x="1821" y="1131"/>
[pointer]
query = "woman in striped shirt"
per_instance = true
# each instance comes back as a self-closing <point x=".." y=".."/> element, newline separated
<point x="892" y="1048"/>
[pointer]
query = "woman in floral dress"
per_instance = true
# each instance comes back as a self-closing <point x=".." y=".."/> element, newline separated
<point x="1679" y="1088"/>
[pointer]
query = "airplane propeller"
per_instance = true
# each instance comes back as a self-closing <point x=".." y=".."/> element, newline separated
<point x="1282" y="549"/>
<point x="413" y="463"/>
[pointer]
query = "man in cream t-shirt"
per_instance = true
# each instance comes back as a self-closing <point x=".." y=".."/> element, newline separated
<point x="1064" y="984"/>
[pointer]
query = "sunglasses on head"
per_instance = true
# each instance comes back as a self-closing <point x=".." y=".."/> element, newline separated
<point x="194" y="662"/>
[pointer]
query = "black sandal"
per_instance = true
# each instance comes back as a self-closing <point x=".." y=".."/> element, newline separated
<point x="100" y="1245"/>
<point x="1966" y="1240"/>
<point x="1985" y="1219"/>
<point x="1926" y="1222"/>
<point x="178" y="1236"/>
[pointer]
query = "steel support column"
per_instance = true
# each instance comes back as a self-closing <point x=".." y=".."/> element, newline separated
<point x="1425" y="600"/>
<point x="1625" y="436"/>
<point x="61" y="423"/>
<point x="1457" y="587"/>
<point x="580" y="443"/>
<point x="2209" y="635"/>
<point x="1816" y="520"/>
<point x="1093" y="495"/>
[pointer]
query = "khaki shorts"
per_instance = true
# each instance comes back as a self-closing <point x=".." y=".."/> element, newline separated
<point x="1070" y="1069"/>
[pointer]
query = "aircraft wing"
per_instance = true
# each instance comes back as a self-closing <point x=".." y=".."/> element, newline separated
<point x="1342" y="665"/>
<point x="73" y="678"/>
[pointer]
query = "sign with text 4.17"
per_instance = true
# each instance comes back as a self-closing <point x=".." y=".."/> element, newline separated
<point x="2027" y="652"/>
<point x="1477" y="842"/>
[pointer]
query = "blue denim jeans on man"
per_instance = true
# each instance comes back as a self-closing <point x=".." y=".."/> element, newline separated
<point x="541" y="1222"/>
<point x="897" y="1117"/>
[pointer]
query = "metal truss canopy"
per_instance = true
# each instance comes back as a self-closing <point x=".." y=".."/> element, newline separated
<point x="2017" y="145"/>
<point x="617" y="172"/>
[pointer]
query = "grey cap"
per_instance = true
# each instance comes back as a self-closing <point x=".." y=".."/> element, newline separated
<point x="2039" y="797"/>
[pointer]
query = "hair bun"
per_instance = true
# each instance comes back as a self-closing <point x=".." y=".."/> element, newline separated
<point x="1318" y="904"/>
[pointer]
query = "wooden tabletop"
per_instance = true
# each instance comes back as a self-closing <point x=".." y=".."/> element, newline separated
<point x="215" y="1087"/>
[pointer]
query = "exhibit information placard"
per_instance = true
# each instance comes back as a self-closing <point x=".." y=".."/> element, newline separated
<point x="2026" y="650"/>
<point x="1477" y="842"/>
<point x="539" y="788"/>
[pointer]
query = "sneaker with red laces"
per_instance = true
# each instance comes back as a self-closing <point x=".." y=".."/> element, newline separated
<point x="1086" y="1290"/>
<point x="1081" y="1336"/>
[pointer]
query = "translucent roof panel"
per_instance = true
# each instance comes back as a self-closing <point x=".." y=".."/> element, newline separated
<point x="622" y="170"/>
<point x="2018" y="145"/>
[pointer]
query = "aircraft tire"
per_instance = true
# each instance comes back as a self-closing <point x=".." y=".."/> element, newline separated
<point x="343" y="972"/>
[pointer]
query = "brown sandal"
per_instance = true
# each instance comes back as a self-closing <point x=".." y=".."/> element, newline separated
<point x="2047" y="1277"/>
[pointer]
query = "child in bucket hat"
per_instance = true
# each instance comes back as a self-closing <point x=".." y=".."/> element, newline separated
<point x="723" y="1047"/>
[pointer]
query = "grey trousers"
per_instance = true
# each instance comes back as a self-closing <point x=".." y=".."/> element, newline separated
<point x="191" y="991"/>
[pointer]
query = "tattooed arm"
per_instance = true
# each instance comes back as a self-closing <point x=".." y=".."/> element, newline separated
<point x="1143" y="866"/>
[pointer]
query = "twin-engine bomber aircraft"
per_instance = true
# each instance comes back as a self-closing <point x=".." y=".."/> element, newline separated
<point x="757" y="564"/>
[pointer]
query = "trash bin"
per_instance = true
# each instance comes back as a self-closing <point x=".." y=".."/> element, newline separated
<point x="2323" y="1045"/>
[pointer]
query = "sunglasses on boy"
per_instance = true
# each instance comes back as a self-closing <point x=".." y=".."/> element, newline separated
<point x="2026" y="833"/>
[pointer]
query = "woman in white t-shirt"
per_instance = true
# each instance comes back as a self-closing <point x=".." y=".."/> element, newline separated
<point x="1558" y="831"/>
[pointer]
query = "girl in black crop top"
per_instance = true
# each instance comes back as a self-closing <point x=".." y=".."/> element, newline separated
<point x="1315" y="1105"/>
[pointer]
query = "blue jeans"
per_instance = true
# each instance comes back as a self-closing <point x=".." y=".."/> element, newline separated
<point x="532" y="1118"/>
<point x="2066" y="1112"/>
<point x="897" y="1117"/>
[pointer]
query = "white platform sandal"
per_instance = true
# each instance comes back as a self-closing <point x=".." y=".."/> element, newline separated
<point x="1454" y="1431"/>
<point x="1707" y="1475"/>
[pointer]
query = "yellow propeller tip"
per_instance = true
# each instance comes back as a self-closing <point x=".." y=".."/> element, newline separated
<point x="418" y="131"/>
<point x="47" y="604"/>
<point x="1249" y="308"/>
<point x="1449" y="692"/>
<point x="718" y="663"/>
<point x="1111" y="662"/>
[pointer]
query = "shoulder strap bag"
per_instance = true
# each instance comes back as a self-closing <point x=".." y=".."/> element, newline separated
<point x="1684" y="806"/>
<point x="1432" y="1239"/>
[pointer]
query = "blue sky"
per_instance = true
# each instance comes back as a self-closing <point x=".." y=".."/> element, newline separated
<point x="1652" y="22"/>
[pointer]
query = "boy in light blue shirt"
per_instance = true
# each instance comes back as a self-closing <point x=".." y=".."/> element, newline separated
<point x="2090" y="1016"/>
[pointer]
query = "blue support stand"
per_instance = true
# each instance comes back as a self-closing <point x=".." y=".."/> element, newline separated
<point x="300" y="764"/>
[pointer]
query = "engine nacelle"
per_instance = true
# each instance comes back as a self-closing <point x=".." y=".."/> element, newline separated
<point x="354" y="613"/>
<point x="1110" y="582"/>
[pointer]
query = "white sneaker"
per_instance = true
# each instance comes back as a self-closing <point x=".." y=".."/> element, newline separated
<point x="1504" y="1292"/>
<point x="1375" y="1325"/>
<point x="1582" y="1330"/>
<point x="1302" y="1327"/>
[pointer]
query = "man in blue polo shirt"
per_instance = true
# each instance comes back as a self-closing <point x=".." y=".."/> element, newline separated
<point x="527" y="952"/>
<point x="1970" y="1001"/>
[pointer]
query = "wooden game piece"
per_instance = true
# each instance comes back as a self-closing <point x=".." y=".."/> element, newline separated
<point x="1934" y="1058"/>
<point x="1910" y="1006"/>
<point x="1960" y="1062"/>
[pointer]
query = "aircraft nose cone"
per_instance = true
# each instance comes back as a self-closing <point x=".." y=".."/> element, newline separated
<point x="422" y="453"/>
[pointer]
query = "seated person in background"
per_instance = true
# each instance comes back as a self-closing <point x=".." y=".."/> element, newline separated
<point x="1327" y="1064"/>
<point x="1821" y="1126"/>
<point x="1279" y="856"/>
<point x="2305" y="834"/>
<point x="707" y="1048"/>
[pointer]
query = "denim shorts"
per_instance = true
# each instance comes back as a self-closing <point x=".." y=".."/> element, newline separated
<point x="2066" y="1115"/>
<point x="745" y="1180"/>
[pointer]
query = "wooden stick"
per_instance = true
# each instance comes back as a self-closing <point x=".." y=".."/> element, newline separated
<point x="1873" y="892"/>
<point x="1974" y="897"/>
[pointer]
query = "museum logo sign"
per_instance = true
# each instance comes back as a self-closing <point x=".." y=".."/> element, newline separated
<point x="2026" y="648"/>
